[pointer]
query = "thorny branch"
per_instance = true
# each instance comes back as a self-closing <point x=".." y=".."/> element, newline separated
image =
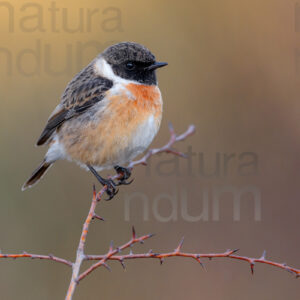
<point x="114" y="253"/>
<point x="37" y="256"/>
<point x="80" y="256"/>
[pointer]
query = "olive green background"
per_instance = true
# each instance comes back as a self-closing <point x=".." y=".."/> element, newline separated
<point x="233" y="72"/>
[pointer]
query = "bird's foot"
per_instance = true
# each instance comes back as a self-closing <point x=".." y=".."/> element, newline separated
<point x="125" y="174"/>
<point x="111" y="190"/>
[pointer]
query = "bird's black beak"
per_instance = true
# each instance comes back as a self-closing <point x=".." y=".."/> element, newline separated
<point x="156" y="65"/>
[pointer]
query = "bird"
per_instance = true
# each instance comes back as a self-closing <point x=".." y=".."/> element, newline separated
<point x="108" y="114"/>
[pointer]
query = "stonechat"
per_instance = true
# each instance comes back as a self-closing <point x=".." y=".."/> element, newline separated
<point x="108" y="114"/>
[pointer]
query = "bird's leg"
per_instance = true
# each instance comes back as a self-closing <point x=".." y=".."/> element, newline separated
<point x="111" y="186"/>
<point x="125" y="174"/>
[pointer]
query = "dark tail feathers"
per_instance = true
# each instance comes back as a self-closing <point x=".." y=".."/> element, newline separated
<point x="36" y="175"/>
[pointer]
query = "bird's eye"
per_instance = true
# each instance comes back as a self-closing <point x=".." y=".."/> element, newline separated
<point x="130" y="65"/>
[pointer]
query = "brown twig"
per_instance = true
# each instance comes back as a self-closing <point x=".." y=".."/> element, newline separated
<point x="196" y="256"/>
<point x="37" y="256"/>
<point x="114" y="253"/>
<point x="80" y="256"/>
<point x="166" y="148"/>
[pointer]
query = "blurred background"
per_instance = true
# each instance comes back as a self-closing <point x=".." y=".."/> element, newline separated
<point x="234" y="72"/>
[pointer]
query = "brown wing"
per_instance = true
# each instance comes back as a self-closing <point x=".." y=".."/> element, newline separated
<point x="85" y="90"/>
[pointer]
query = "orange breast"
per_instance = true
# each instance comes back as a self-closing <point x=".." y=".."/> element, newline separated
<point x="144" y="93"/>
<point x="136" y="101"/>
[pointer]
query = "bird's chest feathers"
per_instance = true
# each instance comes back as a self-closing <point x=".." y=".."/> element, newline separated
<point x="131" y="105"/>
<point x="136" y="110"/>
<point x="137" y="97"/>
<point x="144" y="94"/>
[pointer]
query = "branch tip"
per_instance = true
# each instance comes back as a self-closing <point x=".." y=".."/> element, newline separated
<point x="171" y="128"/>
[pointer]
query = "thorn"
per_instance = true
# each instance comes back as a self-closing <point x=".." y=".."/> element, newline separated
<point x="122" y="264"/>
<point x="118" y="250"/>
<point x="130" y="253"/>
<point x="107" y="267"/>
<point x="290" y="271"/>
<point x="148" y="237"/>
<point x="252" y="267"/>
<point x="111" y="246"/>
<point x="133" y="233"/>
<point x="203" y="266"/>
<point x="142" y="241"/>
<point x="201" y="263"/>
<point x="150" y="251"/>
<point x="233" y="251"/>
<point x="161" y="260"/>
<point x="25" y="253"/>
<point x="179" y="245"/>
<point x="98" y="217"/>
<point x="263" y="257"/>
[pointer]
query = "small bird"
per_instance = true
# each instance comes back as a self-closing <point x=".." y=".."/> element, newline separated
<point x="108" y="114"/>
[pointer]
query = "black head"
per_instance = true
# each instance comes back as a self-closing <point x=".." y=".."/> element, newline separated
<point x="133" y="61"/>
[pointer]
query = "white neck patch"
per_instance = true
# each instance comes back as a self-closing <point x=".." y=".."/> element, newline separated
<point x="103" y="69"/>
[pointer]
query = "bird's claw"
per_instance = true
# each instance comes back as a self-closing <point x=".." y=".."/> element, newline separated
<point x="125" y="174"/>
<point x="124" y="182"/>
<point x="111" y="190"/>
